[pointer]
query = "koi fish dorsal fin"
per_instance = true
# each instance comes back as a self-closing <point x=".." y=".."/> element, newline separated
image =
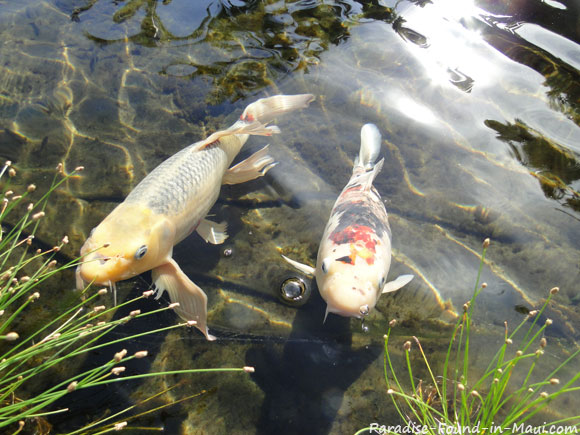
<point x="266" y="109"/>
<point x="367" y="182"/>
<point x="256" y="115"/>
<point x="254" y="128"/>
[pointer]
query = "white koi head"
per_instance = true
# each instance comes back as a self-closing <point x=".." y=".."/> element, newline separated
<point x="130" y="241"/>
<point x="350" y="278"/>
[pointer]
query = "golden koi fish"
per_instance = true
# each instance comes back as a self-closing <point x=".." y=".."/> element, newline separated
<point x="354" y="256"/>
<point x="172" y="202"/>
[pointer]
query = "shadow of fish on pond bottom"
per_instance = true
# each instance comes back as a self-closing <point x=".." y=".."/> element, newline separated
<point x="304" y="383"/>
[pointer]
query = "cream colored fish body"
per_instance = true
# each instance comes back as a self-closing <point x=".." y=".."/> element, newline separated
<point x="172" y="201"/>
<point x="185" y="186"/>
<point x="354" y="255"/>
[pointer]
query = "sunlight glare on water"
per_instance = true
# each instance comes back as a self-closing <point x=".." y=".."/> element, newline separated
<point x="452" y="47"/>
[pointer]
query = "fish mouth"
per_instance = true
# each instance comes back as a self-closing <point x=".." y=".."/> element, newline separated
<point x="345" y="312"/>
<point x="102" y="269"/>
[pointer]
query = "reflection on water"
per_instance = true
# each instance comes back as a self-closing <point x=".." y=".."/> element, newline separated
<point x="478" y="106"/>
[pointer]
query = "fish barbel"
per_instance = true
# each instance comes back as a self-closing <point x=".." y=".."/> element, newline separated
<point x="173" y="201"/>
<point x="354" y="255"/>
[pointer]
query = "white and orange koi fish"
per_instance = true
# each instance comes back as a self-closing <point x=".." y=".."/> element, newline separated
<point x="354" y="256"/>
<point x="172" y="202"/>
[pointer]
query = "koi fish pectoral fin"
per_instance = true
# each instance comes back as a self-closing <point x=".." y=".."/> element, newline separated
<point x="192" y="299"/>
<point x="396" y="284"/>
<point x="79" y="281"/>
<point x="304" y="268"/>
<point x="212" y="232"/>
<point x="253" y="167"/>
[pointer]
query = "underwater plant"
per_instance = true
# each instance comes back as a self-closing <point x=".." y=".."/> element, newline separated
<point x="28" y="359"/>
<point x="459" y="401"/>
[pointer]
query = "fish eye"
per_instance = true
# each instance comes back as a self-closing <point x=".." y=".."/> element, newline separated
<point x="141" y="252"/>
<point x="324" y="265"/>
<point x="381" y="282"/>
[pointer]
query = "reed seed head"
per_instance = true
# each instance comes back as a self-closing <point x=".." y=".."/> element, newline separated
<point x="475" y="394"/>
<point x="148" y="293"/>
<point x="543" y="342"/>
<point x="496" y="380"/>
<point x="72" y="386"/>
<point x="191" y="323"/>
<point x="544" y="395"/>
<point x="174" y="305"/>
<point x="8" y="193"/>
<point x="11" y="172"/>
<point x="34" y="296"/>
<point x="554" y="381"/>
<point x="460" y="386"/>
<point x="64" y="240"/>
<point x="483" y="285"/>
<point x="30" y="207"/>
<point x="120" y="355"/>
<point x="134" y="313"/>
<point x="554" y="290"/>
<point x="51" y="264"/>
<point x="99" y="308"/>
<point x="24" y="278"/>
<point x="102" y="292"/>
<point x="508" y="341"/>
<point x="31" y="188"/>
<point x="11" y="336"/>
<point x="38" y="215"/>
<point x="530" y="390"/>
<point x="392" y="323"/>
<point x="79" y="168"/>
<point x="248" y="369"/>
<point x="532" y="313"/>
<point x="117" y="370"/>
<point x="390" y="391"/>
<point x="486" y="243"/>
<point x="59" y="168"/>
<point x="519" y="353"/>
<point x="141" y="354"/>
<point x="548" y="322"/>
<point x="120" y="426"/>
<point x="407" y="346"/>
<point x="539" y="352"/>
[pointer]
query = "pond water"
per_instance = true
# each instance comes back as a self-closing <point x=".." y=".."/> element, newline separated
<point x="478" y="106"/>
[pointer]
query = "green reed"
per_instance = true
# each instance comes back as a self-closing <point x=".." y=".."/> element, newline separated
<point x="458" y="402"/>
<point x="73" y="332"/>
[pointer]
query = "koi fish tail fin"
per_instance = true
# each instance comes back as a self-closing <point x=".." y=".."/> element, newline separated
<point x="266" y="109"/>
<point x="370" y="147"/>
